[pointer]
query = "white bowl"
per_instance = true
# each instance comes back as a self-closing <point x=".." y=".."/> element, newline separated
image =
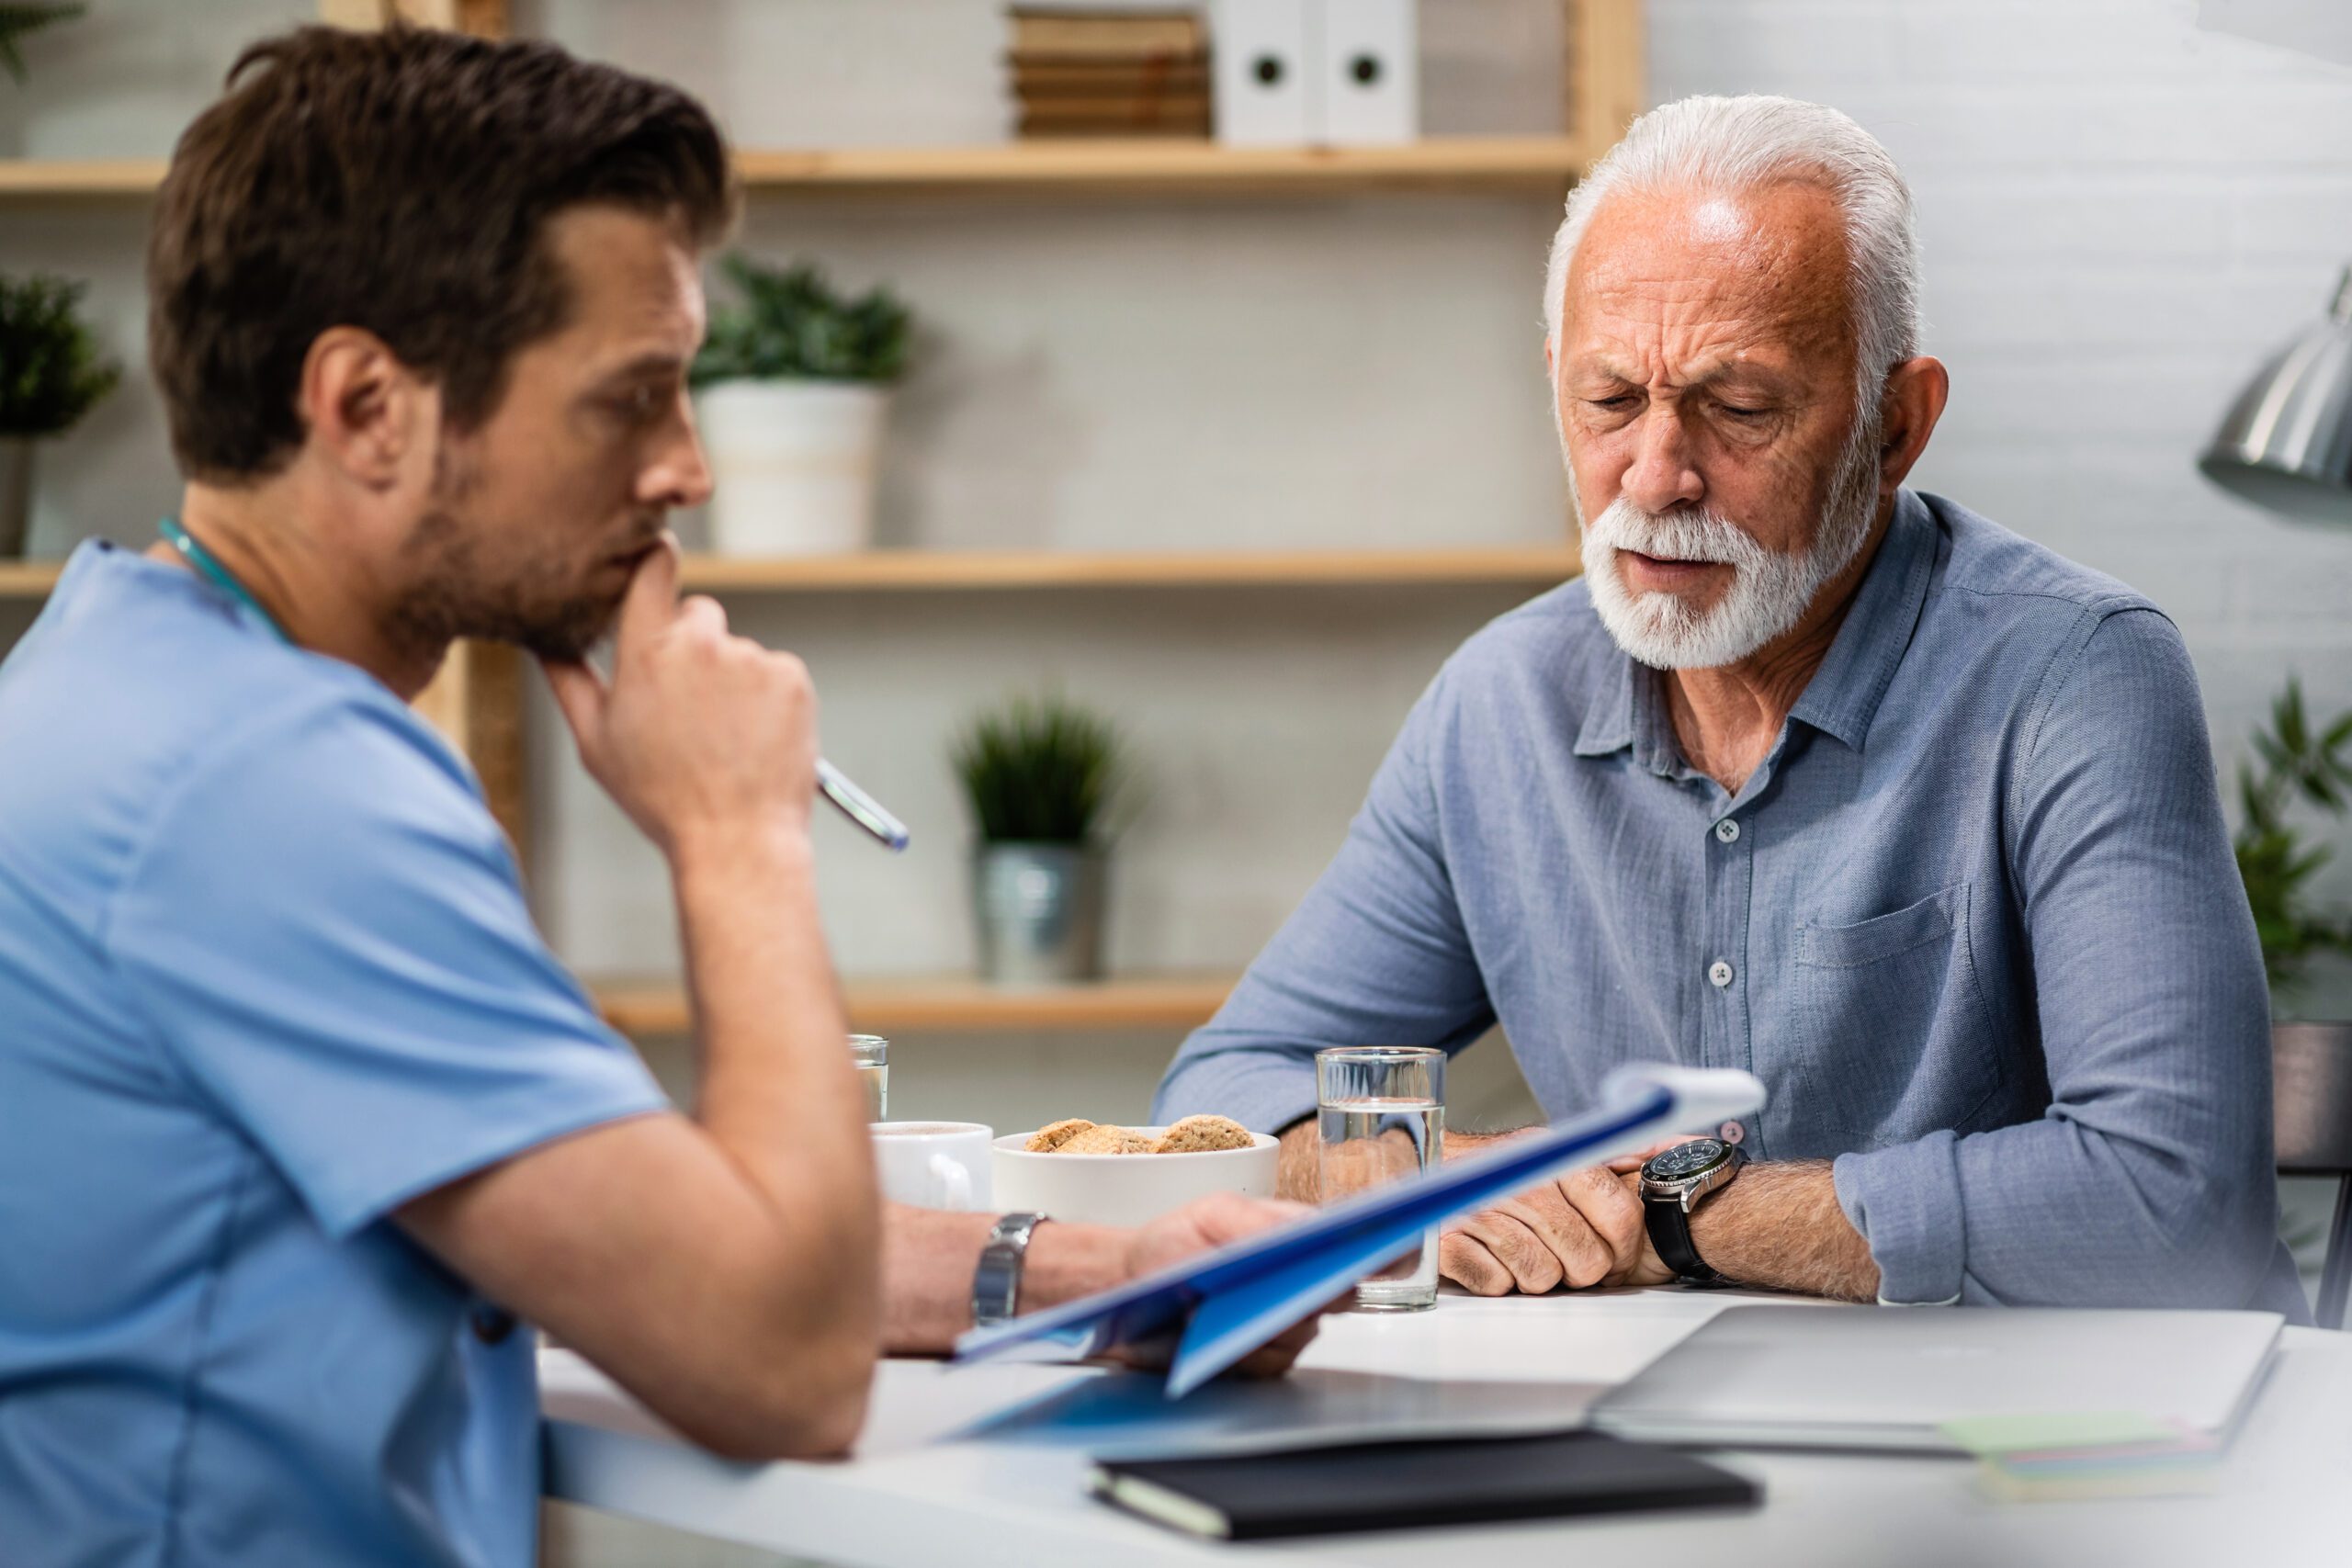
<point x="1124" y="1189"/>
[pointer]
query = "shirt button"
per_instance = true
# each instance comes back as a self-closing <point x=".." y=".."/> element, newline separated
<point x="1731" y="1131"/>
<point x="1726" y="831"/>
<point x="1719" y="973"/>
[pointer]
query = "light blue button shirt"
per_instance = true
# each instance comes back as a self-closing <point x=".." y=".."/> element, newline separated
<point x="1974" y="922"/>
<point x="265" y="973"/>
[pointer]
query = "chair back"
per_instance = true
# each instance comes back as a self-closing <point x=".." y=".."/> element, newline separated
<point x="2310" y="1071"/>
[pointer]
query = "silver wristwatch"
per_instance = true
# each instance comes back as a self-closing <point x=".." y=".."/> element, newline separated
<point x="996" y="1285"/>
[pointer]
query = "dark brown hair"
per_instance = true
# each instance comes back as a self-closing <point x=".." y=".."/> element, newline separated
<point x="398" y="181"/>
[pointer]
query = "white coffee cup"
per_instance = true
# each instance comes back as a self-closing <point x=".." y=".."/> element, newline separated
<point x="934" y="1165"/>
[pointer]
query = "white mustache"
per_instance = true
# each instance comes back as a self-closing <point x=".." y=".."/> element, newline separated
<point x="1688" y="535"/>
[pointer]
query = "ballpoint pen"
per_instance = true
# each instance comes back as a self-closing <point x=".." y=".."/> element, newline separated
<point x="859" y="807"/>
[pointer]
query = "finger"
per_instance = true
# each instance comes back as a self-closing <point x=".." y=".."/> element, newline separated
<point x="1612" y="1213"/>
<point x="579" y="696"/>
<point x="1534" y="1267"/>
<point x="1465" y="1260"/>
<point x="1584" y="1259"/>
<point x="1275" y="1356"/>
<point x="652" y="599"/>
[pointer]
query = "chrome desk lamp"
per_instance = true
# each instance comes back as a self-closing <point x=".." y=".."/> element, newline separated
<point x="2287" y="443"/>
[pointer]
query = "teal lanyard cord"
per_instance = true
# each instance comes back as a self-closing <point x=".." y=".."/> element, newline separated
<point x="205" y="561"/>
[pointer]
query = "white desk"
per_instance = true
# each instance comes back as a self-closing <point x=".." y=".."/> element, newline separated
<point x="925" y="1491"/>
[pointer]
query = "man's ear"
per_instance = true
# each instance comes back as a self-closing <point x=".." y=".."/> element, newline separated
<point x="365" y="410"/>
<point x="1916" y="390"/>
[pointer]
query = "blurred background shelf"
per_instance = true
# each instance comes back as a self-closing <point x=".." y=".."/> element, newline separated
<point x="951" y="570"/>
<point x="1081" y="167"/>
<point x="29" y="579"/>
<point x="948" y="571"/>
<point x="654" y="1007"/>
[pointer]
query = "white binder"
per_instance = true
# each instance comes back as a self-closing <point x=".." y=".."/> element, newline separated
<point x="1265" y="71"/>
<point x="1369" y="63"/>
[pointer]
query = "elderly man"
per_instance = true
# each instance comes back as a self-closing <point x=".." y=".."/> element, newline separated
<point x="1811" y="776"/>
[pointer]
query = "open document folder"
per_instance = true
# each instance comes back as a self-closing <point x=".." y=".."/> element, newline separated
<point x="1225" y="1303"/>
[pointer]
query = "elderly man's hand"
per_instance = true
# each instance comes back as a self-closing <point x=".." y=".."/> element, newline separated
<point x="1213" y="1222"/>
<point x="1580" y="1229"/>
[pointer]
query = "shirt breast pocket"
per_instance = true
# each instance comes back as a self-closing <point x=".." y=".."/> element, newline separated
<point x="1894" y="1036"/>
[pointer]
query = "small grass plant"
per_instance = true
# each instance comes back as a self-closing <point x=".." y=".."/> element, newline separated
<point x="50" y="369"/>
<point x="1041" y="770"/>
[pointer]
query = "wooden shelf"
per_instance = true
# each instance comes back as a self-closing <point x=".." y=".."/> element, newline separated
<point x="943" y="570"/>
<point x="1111" y="167"/>
<point x="655" y="1008"/>
<point x="951" y="571"/>
<point x="29" y="579"/>
<point x="1098" y="169"/>
<point x="78" y="178"/>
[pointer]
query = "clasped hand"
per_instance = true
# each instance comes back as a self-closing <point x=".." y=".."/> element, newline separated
<point x="1580" y="1229"/>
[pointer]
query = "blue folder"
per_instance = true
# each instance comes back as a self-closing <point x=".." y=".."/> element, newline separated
<point x="1223" y="1303"/>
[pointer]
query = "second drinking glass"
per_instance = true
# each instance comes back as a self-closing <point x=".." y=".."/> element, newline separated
<point x="1381" y="1111"/>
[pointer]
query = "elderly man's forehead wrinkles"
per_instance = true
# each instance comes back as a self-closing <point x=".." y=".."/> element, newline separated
<point x="1700" y="274"/>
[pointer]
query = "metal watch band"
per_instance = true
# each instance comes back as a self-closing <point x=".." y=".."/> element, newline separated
<point x="996" y="1285"/>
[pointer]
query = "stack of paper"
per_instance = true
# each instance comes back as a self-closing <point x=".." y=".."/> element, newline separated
<point x="2023" y="1458"/>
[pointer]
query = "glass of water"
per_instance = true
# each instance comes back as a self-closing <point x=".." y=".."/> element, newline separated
<point x="872" y="1054"/>
<point x="1381" y="1111"/>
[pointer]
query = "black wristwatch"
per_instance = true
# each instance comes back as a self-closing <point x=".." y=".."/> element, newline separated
<point x="1672" y="1184"/>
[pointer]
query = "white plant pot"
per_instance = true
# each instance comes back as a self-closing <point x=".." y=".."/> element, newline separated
<point x="792" y="465"/>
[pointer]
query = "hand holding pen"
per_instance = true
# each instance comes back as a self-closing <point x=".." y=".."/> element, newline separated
<point x="698" y="726"/>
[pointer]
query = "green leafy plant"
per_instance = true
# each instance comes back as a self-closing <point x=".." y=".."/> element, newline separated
<point x="2299" y="763"/>
<point x="789" y="323"/>
<point x="1040" y="769"/>
<point x="16" y="21"/>
<point x="50" y="369"/>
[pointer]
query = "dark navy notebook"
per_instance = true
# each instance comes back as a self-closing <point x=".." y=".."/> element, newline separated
<point x="1417" y="1482"/>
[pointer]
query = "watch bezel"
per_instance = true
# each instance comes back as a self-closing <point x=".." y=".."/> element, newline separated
<point x="1670" y="1185"/>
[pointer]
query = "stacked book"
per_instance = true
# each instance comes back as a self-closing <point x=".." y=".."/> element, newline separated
<point x="1110" y="73"/>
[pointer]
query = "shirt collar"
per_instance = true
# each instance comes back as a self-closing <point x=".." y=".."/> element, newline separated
<point x="1844" y="692"/>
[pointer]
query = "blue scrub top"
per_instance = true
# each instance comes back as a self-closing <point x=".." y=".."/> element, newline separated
<point x="265" y="973"/>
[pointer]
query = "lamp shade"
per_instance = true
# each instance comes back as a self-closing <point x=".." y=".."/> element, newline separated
<point x="2287" y="443"/>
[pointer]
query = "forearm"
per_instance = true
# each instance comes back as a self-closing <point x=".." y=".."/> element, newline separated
<point x="1779" y="1225"/>
<point x="778" y="1091"/>
<point x="929" y="1258"/>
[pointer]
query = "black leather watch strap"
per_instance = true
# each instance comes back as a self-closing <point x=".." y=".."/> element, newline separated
<point x="1670" y="1230"/>
<point x="1668" y="1223"/>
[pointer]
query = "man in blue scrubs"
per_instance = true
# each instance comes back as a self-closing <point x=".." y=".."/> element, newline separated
<point x="299" y="1115"/>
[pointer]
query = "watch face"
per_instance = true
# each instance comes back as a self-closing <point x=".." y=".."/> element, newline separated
<point x="1686" y="1161"/>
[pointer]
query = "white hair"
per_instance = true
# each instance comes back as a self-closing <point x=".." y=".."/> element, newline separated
<point x="1733" y="145"/>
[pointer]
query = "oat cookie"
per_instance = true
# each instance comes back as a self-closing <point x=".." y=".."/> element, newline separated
<point x="1107" y="1140"/>
<point x="1047" y="1139"/>
<point x="1200" y="1135"/>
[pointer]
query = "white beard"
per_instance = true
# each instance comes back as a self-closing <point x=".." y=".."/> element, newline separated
<point x="1770" y="591"/>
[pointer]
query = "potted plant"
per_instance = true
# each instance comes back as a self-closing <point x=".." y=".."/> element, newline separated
<point x="792" y="385"/>
<point x="2301" y="763"/>
<point x="1041" y="775"/>
<point x="50" y="375"/>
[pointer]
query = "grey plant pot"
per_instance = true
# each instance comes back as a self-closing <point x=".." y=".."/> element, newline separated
<point x="15" y="494"/>
<point x="1038" y="911"/>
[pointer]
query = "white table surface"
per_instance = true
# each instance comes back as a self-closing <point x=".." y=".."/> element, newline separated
<point x="943" y="1476"/>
